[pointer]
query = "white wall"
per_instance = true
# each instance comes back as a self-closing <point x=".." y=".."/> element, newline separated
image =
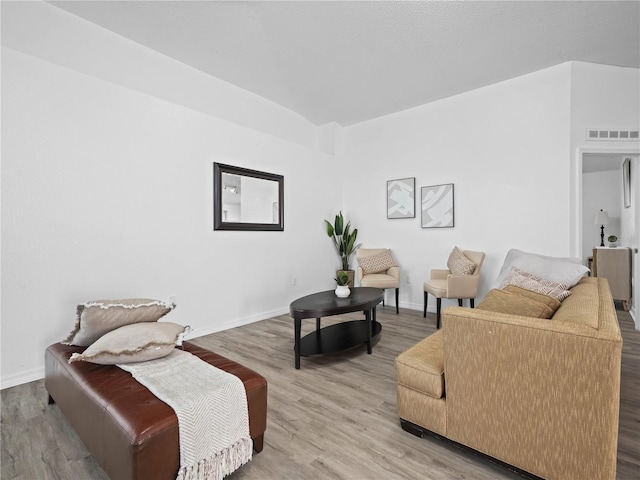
<point x="505" y="148"/>
<point x="107" y="193"/>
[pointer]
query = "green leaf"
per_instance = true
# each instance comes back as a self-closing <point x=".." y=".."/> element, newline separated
<point x="351" y="242"/>
<point x="329" y="228"/>
<point x="339" y="224"/>
<point x="342" y="278"/>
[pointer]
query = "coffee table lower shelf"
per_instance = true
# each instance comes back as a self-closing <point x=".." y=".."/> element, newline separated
<point x="338" y="337"/>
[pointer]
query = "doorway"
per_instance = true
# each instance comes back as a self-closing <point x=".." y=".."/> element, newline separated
<point x="600" y="186"/>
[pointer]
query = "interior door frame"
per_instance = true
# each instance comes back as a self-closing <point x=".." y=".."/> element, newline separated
<point x="576" y="228"/>
<point x="576" y="231"/>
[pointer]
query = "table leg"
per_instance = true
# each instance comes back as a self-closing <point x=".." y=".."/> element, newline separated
<point x="296" y="348"/>
<point x="317" y="324"/>
<point x="368" y="317"/>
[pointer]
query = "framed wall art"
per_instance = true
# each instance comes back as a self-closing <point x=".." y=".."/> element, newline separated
<point x="401" y="202"/>
<point x="437" y="206"/>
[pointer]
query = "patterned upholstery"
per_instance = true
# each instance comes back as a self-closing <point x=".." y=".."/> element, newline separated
<point x="378" y="263"/>
<point x="542" y="395"/>
<point x="458" y="264"/>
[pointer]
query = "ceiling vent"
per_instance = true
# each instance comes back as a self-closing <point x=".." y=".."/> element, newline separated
<point x="613" y="135"/>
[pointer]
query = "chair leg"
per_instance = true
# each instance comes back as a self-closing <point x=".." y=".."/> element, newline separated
<point x="471" y="301"/>
<point x="425" y="305"/>
<point x="438" y="305"/>
<point x="397" y="304"/>
<point x="459" y="302"/>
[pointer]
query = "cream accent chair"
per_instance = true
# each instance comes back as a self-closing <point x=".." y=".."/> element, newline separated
<point x="387" y="279"/>
<point x="444" y="284"/>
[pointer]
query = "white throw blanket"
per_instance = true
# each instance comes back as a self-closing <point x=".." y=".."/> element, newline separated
<point x="211" y="406"/>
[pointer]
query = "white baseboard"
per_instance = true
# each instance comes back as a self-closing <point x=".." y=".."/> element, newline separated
<point x="22" y="377"/>
<point x="37" y="373"/>
<point x="238" y="322"/>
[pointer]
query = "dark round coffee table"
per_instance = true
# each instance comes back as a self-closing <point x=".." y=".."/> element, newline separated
<point x="340" y="336"/>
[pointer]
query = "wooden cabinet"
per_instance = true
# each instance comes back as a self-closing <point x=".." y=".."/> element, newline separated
<point x="614" y="264"/>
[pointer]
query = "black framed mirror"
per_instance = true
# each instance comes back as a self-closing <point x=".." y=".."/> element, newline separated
<point x="245" y="199"/>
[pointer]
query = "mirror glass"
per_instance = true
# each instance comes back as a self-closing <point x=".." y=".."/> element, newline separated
<point x="247" y="199"/>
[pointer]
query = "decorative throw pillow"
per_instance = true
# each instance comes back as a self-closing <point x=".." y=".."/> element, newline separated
<point x="94" y="319"/>
<point x="458" y="264"/>
<point x="380" y="262"/>
<point x="138" y="342"/>
<point x="534" y="283"/>
<point x="551" y="302"/>
<point x="565" y="270"/>
<point x="502" y="301"/>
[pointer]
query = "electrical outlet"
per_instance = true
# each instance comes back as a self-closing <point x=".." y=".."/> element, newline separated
<point x="293" y="280"/>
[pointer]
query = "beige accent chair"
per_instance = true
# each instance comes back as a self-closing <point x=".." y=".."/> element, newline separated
<point x="444" y="284"/>
<point x="389" y="278"/>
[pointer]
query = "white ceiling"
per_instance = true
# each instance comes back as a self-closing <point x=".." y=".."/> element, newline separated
<point x="352" y="61"/>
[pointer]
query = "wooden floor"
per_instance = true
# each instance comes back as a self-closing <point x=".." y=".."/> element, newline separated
<point x="335" y="418"/>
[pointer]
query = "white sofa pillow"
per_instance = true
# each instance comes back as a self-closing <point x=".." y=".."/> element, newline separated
<point x="565" y="270"/>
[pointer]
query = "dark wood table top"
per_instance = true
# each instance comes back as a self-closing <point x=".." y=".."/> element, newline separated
<point x="325" y="304"/>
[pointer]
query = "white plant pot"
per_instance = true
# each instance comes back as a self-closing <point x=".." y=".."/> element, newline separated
<point x="342" y="291"/>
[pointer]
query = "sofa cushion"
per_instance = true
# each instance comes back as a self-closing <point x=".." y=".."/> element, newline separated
<point x="421" y="367"/>
<point x="583" y="306"/>
<point x="459" y="264"/>
<point x="511" y="303"/>
<point x="380" y="280"/>
<point x="94" y="319"/>
<point x="551" y="302"/>
<point x="565" y="270"/>
<point x="534" y="283"/>
<point x="138" y="342"/>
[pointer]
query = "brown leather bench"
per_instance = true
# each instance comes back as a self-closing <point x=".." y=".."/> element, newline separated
<point x="130" y="432"/>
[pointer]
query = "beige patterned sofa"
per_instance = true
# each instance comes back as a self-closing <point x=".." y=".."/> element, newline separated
<point x="541" y="395"/>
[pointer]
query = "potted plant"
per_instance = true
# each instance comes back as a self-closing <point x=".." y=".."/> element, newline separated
<point x="342" y="279"/>
<point x="613" y="240"/>
<point x="344" y="241"/>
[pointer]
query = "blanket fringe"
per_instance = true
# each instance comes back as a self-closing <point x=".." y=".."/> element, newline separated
<point x="221" y="464"/>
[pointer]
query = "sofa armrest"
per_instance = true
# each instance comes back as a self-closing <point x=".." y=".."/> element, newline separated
<point x="439" y="274"/>
<point x="359" y="274"/>
<point x="394" y="272"/>
<point x="527" y="390"/>
<point x="463" y="286"/>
